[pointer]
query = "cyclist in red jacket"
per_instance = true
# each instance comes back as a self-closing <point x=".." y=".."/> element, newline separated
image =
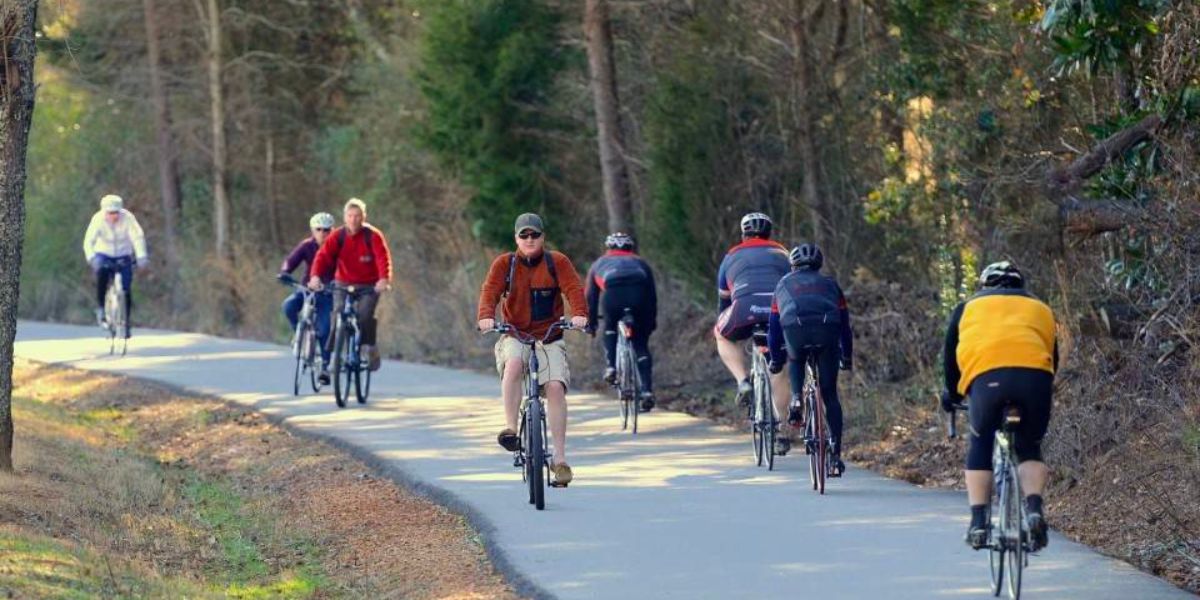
<point x="358" y="255"/>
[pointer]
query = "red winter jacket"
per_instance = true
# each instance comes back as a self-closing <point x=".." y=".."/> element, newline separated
<point x="355" y="266"/>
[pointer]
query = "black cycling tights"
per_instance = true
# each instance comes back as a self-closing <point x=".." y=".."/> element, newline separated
<point x="823" y="341"/>
<point x="1030" y="391"/>
<point x="364" y="309"/>
<point x="614" y="302"/>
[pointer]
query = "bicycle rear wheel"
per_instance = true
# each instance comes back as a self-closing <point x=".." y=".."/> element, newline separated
<point x="630" y="382"/>
<point x="341" y="370"/>
<point x="535" y="454"/>
<point x="818" y="461"/>
<point x="1015" y="532"/>
<point x="766" y="418"/>
<point x="362" y="384"/>
<point x="997" y="538"/>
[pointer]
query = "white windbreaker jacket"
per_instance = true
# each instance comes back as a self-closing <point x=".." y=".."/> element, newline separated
<point x="123" y="239"/>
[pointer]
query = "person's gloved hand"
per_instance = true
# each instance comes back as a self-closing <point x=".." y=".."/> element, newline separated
<point x="776" y="367"/>
<point x="845" y="364"/>
<point x="95" y="263"/>
<point x="950" y="401"/>
<point x="143" y="262"/>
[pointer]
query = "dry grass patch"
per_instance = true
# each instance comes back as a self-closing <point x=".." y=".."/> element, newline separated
<point x="171" y="488"/>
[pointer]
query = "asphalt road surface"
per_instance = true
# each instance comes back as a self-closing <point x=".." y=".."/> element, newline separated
<point x="678" y="511"/>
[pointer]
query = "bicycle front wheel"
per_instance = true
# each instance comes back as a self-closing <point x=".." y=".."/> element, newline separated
<point x="535" y="455"/>
<point x="300" y="352"/>
<point x="341" y="370"/>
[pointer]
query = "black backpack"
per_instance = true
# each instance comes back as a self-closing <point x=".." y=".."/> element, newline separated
<point x="512" y="270"/>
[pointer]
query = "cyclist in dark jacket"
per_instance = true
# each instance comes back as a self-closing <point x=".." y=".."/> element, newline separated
<point x="811" y="318"/>
<point x="619" y="281"/>
<point x="745" y="285"/>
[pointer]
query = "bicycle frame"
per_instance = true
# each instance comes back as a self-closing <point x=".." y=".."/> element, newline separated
<point x="764" y="424"/>
<point x="1008" y="533"/>
<point x="532" y="455"/>
<point x="116" y="308"/>
<point x="628" y="381"/>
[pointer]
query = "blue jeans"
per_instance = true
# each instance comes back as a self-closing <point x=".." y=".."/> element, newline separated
<point x="291" y="309"/>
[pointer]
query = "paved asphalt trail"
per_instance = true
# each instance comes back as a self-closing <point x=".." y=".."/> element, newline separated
<point x="679" y="511"/>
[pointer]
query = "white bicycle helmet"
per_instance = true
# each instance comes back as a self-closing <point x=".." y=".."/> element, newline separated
<point x="321" y="220"/>
<point x="756" y="224"/>
<point x="111" y="203"/>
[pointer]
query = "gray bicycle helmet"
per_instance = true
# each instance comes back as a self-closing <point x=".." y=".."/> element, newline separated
<point x="1001" y="274"/>
<point x="620" y="241"/>
<point x="757" y="224"/>
<point x="807" y="256"/>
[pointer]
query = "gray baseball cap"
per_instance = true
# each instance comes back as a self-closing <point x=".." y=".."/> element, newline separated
<point x="528" y="221"/>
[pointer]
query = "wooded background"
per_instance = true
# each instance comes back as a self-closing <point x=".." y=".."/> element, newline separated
<point x="914" y="140"/>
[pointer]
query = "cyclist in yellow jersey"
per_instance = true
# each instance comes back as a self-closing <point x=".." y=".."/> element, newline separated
<point x="1001" y="350"/>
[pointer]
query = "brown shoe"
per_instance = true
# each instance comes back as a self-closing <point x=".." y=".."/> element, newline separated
<point x="562" y="475"/>
<point x="509" y="440"/>
<point x="373" y="360"/>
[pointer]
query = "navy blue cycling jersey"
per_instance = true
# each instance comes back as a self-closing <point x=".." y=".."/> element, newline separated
<point x="620" y="269"/>
<point x="808" y="298"/>
<point x="753" y="267"/>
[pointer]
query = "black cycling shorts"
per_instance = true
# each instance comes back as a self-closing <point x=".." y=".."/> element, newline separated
<point x="1030" y="390"/>
<point x="737" y="322"/>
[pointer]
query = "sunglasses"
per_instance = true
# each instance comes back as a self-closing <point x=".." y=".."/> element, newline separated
<point x="323" y="229"/>
<point x="525" y="235"/>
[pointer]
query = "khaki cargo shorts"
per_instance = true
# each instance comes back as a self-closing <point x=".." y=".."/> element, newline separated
<point x="552" y="359"/>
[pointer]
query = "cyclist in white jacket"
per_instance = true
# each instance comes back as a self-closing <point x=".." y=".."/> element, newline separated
<point x="114" y="241"/>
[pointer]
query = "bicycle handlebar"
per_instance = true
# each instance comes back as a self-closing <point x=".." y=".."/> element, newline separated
<point x="526" y="338"/>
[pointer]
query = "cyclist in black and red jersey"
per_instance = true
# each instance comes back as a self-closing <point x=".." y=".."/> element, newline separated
<point x="617" y="281"/>
<point x="745" y="286"/>
<point x="810" y="317"/>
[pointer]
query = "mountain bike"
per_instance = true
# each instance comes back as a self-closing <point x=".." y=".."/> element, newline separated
<point x="531" y="456"/>
<point x="764" y="425"/>
<point x="818" y="444"/>
<point x="305" y="346"/>
<point x="1008" y="532"/>
<point x="349" y="366"/>
<point x="628" y="381"/>
<point x="116" y="307"/>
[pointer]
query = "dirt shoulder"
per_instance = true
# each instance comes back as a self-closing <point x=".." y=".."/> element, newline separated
<point x="126" y="488"/>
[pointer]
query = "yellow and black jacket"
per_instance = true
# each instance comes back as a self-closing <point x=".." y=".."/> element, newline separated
<point x="996" y="329"/>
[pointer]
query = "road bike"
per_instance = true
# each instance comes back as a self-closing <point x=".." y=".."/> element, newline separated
<point x="764" y="424"/>
<point x="349" y="366"/>
<point x="818" y="443"/>
<point x="1008" y="532"/>
<point x="531" y="456"/>
<point x="305" y="345"/>
<point x="116" y="304"/>
<point x="628" y="381"/>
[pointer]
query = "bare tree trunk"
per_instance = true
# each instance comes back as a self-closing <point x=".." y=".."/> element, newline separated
<point x="613" y="170"/>
<point x="806" y="125"/>
<point x="17" y="50"/>
<point x="217" y="100"/>
<point x="272" y="212"/>
<point x="168" y="170"/>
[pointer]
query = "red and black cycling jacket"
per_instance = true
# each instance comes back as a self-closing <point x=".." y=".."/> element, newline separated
<point x="619" y="268"/>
